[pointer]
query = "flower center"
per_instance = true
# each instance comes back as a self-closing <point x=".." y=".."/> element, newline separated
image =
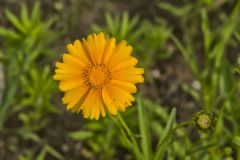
<point x="98" y="76"/>
<point x="204" y="121"/>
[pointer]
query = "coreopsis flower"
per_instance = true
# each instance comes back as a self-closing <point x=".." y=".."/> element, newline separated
<point x="97" y="75"/>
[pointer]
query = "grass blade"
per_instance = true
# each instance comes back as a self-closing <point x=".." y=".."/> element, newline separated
<point x="14" y="20"/>
<point x="206" y="31"/>
<point x="166" y="136"/>
<point x="144" y="131"/>
<point x="24" y="16"/>
<point x="128" y="137"/>
<point x="124" y="25"/>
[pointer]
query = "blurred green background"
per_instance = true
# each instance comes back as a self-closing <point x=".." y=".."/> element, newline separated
<point x="190" y="52"/>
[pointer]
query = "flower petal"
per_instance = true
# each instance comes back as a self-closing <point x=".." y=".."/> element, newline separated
<point x="100" y="45"/>
<point x="125" y="85"/>
<point x="91" y="105"/>
<point x="72" y="61"/>
<point x="73" y="96"/>
<point x="90" y="48"/>
<point x="119" y="98"/>
<point x="121" y="53"/>
<point x="109" y="49"/>
<point x="82" y="54"/>
<point x="129" y="75"/>
<point x="130" y="63"/>
<point x="71" y="83"/>
<point x="65" y="76"/>
<point x="112" y="108"/>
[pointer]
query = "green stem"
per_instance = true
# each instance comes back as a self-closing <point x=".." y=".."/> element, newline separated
<point x="126" y="128"/>
<point x="202" y="148"/>
<point x="127" y="133"/>
<point x="183" y="124"/>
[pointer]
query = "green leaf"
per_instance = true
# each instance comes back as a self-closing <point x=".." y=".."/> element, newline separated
<point x="206" y="31"/>
<point x="176" y="11"/>
<point x="15" y="21"/>
<point x="110" y="23"/>
<point x="237" y="35"/>
<point x="144" y="131"/>
<point x="188" y="56"/>
<point x="42" y="154"/>
<point x="96" y="28"/>
<point x="156" y="127"/>
<point x="127" y="136"/>
<point x="227" y="31"/>
<point x="236" y="141"/>
<point x="124" y="25"/>
<point x="28" y="135"/>
<point x="9" y="34"/>
<point x="48" y="149"/>
<point x="2" y="57"/>
<point x="24" y="16"/>
<point x="54" y="153"/>
<point x="36" y="13"/>
<point x="81" y="135"/>
<point x="94" y="126"/>
<point x="133" y="22"/>
<point x="166" y="136"/>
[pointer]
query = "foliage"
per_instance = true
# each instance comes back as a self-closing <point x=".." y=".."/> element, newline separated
<point x="218" y="92"/>
<point x="147" y="49"/>
<point x="216" y="76"/>
<point x="23" y="46"/>
<point x="205" y="34"/>
<point x="28" y="89"/>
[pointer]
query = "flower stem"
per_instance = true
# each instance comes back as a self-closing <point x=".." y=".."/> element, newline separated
<point x="127" y="130"/>
<point x="127" y="133"/>
<point x="182" y="125"/>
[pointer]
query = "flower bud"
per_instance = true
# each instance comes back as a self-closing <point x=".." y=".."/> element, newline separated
<point x="204" y="121"/>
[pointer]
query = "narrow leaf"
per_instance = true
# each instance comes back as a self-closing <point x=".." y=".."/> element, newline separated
<point x="24" y="16"/>
<point x="166" y="136"/>
<point x="144" y="131"/>
<point x="15" y="21"/>
<point x="81" y="135"/>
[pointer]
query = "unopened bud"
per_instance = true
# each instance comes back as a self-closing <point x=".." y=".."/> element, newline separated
<point x="204" y="121"/>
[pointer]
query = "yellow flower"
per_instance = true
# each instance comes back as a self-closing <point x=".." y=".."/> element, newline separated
<point x="98" y="75"/>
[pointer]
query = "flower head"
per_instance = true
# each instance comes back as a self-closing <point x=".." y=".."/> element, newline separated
<point x="204" y="121"/>
<point x="98" y="75"/>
